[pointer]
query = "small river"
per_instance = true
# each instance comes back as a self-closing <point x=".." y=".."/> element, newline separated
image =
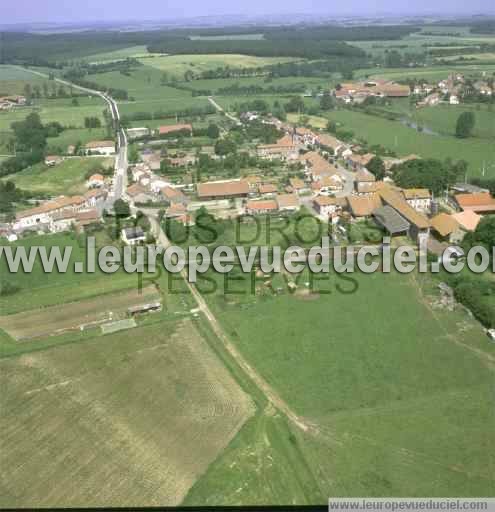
<point x="424" y="129"/>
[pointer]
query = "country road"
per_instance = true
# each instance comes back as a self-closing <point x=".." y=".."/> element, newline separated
<point x="271" y="395"/>
<point x="119" y="183"/>
<point x="221" y="109"/>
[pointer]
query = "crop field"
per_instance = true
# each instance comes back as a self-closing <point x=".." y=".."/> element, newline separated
<point x="178" y="64"/>
<point x="57" y="319"/>
<point x="380" y="387"/>
<point x="404" y="140"/>
<point x="66" y="178"/>
<point x="119" y="420"/>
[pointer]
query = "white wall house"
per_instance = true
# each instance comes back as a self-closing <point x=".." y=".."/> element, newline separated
<point x="100" y="147"/>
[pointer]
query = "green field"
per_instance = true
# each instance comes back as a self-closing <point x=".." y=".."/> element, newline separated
<point x="146" y="93"/>
<point x="404" y="140"/>
<point x="219" y="83"/>
<point x="122" y="53"/>
<point x="66" y="178"/>
<point x="73" y="136"/>
<point x="426" y="73"/>
<point x="381" y="387"/>
<point x="59" y="110"/>
<point x="443" y="119"/>
<point x="38" y="289"/>
<point x="178" y="64"/>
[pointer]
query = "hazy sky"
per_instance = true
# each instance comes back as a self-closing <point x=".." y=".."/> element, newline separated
<point x="109" y="10"/>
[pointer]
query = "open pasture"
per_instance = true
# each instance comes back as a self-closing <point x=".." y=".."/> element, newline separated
<point x="66" y="178"/>
<point x="55" y="110"/>
<point x="54" y="320"/>
<point x="132" y="418"/>
<point x="381" y="387"/>
<point x="405" y="140"/>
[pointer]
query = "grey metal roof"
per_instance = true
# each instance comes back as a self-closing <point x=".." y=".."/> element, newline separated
<point x="392" y="221"/>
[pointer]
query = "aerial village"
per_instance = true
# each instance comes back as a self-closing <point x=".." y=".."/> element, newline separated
<point x="302" y="168"/>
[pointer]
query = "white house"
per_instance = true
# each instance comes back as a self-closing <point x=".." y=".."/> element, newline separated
<point x="157" y="184"/>
<point x="454" y="99"/>
<point x="100" y="147"/>
<point x="418" y="198"/>
<point x="52" y="160"/>
<point x="95" y="197"/>
<point x="136" y="133"/>
<point x="133" y="236"/>
<point x="326" y="205"/>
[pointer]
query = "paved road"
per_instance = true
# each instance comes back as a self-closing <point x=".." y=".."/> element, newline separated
<point x="120" y="174"/>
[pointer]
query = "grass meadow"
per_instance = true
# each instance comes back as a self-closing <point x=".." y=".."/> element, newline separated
<point x="399" y="394"/>
<point x="405" y="140"/>
<point x="66" y="178"/>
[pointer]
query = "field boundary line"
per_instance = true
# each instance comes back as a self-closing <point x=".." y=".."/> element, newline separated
<point x="271" y="395"/>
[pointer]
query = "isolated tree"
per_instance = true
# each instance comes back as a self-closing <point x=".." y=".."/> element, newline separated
<point x="225" y="146"/>
<point x="331" y="127"/>
<point x="295" y="104"/>
<point x="377" y="167"/>
<point x="326" y="102"/>
<point x="465" y="125"/>
<point x="213" y="131"/>
<point x="28" y="92"/>
<point x="30" y="134"/>
<point x="121" y="209"/>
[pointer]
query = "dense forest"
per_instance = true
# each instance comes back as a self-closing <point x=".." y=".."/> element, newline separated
<point x="57" y="50"/>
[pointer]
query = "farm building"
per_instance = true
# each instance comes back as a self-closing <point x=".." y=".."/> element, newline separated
<point x="223" y="189"/>
<point x="287" y="202"/>
<point x="446" y="228"/>
<point x="284" y="149"/>
<point x="363" y="206"/>
<point x="467" y="220"/>
<point x="261" y="206"/>
<point x="177" y="129"/>
<point x="392" y="221"/>
<point x="419" y="224"/>
<point x="481" y="202"/>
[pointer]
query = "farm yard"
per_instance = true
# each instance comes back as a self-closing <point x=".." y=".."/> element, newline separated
<point x="117" y="420"/>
